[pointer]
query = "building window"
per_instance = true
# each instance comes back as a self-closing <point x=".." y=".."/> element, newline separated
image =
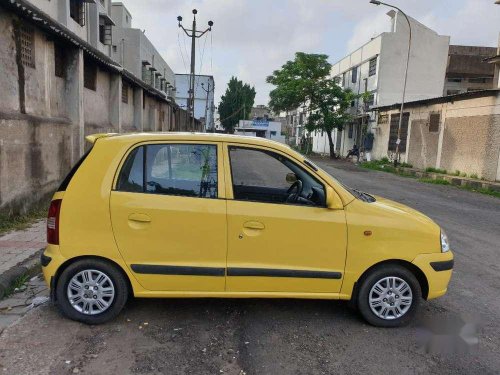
<point x="452" y="92"/>
<point x="59" y="61"/>
<point x="350" y="131"/>
<point x="455" y="80"/>
<point x="372" y="70"/>
<point x="434" y="119"/>
<point x="115" y="48"/>
<point x="383" y="119"/>
<point x="393" y="135"/>
<point x="125" y="92"/>
<point x="89" y="75"/>
<point x="343" y="79"/>
<point x="370" y="100"/>
<point x="354" y="76"/>
<point x="337" y="80"/>
<point x="480" y="80"/>
<point x="77" y="11"/>
<point x="27" y="34"/>
<point x="105" y="31"/>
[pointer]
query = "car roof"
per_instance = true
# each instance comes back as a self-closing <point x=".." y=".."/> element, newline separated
<point x="189" y="136"/>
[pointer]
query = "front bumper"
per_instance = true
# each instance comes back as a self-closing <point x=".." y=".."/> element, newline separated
<point x="437" y="268"/>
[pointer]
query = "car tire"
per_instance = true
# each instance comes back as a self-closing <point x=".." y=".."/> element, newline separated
<point x="95" y="283"/>
<point x="389" y="296"/>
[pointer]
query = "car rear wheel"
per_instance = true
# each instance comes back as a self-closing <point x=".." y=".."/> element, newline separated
<point x="389" y="296"/>
<point x="91" y="291"/>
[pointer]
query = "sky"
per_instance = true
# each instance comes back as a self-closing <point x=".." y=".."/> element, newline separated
<point x="252" y="38"/>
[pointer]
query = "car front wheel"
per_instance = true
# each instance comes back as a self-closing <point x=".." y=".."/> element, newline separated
<point x="389" y="296"/>
<point x="91" y="291"/>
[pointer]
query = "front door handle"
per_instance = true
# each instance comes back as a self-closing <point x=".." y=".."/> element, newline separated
<point x="254" y="225"/>
<point x="141" y="218"/>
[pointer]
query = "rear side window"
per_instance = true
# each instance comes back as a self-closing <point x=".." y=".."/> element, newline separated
<point x="171" y="169"/>
<point x="131" y="177"/>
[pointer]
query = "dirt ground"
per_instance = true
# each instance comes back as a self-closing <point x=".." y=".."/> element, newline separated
<point x="209" y="336"/>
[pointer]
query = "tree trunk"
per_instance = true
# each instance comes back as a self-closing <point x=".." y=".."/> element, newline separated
<point x="330" y="143"/>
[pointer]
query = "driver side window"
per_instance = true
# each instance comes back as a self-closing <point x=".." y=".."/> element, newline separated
<point x="261" y="176"/>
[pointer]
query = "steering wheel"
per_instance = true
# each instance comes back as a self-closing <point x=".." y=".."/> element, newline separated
<point x="294" y="192"/>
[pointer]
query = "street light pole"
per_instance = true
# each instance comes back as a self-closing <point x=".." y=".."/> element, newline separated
<point x="193" y="34"/>
<point x="376" y="2"/>
<point x="208" y="91"/>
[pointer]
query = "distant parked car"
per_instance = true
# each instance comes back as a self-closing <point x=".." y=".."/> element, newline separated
<point x="206" y="215"/>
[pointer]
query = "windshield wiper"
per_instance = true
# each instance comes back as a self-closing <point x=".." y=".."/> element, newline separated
<point x="363" y="196"/>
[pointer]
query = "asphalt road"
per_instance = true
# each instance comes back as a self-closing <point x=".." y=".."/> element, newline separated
<point x="293" y="336"/>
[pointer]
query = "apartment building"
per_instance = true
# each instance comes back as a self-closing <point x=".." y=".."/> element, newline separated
<point x="58" y="86"/>
<point x="88" y="19"/>
<point x="132" y="49"/>
<point x="204" y="98"/>
<point x="378" y="68"/>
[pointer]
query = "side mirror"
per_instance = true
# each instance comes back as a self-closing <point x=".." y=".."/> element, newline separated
<point x="333" y="201"/>
<point x="291" y="178"/>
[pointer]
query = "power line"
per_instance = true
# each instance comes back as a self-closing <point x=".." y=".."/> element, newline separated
<point x="180" y="49"/>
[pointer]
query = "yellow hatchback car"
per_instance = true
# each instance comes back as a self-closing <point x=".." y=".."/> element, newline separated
<point x="207" y="215"/>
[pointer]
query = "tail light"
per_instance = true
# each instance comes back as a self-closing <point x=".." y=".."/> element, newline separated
<point x="53" y="222"/>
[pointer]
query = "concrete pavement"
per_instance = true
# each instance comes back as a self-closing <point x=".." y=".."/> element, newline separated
<point x="18" y="246"/>
<point x="207" y="336"/>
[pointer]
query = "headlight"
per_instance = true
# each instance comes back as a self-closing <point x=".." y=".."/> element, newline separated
<point x="445" y="244"/>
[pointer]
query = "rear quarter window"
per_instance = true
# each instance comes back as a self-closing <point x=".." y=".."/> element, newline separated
<point x="69" y="176"/>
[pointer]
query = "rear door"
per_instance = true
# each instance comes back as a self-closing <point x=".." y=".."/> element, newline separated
<point x="169" y="216"/>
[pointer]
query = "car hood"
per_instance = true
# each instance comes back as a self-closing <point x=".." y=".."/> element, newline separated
<point x="396" y="207"/>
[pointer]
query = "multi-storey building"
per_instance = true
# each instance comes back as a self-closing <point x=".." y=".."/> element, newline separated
<point x="89" y="19"/>
<point x="134" y="51"/>
<point x="378" y="68"/>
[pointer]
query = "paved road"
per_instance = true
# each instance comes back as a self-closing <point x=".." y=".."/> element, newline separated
<point x="288" y="336"/>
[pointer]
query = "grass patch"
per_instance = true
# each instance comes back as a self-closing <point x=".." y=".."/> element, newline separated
<point x="385" y="166"/>
<point x="491" y="192"/>
<point x="18" y="283"/>
<point x="436" y="170"/>
<point x="438" y="181"/>
<point x="19" y="222"/>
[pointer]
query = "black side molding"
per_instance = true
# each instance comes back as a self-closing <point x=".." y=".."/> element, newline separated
<point x="45" y="260"/>
<point x="442" y="266"/>
<point x="152" y="269"/>
<point x="267" y="272"/>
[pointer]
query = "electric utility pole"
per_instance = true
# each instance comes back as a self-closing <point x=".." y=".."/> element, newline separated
<point x="208" y="91"/>
<point x="193" y="34"/>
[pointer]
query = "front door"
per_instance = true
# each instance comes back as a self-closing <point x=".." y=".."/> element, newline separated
<point x="281" y="237"/>
<point x="168" y="217"/>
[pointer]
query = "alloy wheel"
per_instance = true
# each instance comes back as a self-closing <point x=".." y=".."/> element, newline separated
<point x="91" y="292"/>
<point x="390" y="298"/>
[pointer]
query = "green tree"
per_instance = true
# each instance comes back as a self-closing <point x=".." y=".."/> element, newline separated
<point x="306" y="82"/>
<point x="236" y="103"/>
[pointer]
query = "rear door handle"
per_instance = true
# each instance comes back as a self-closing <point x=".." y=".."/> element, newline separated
<point x="254" y="225"/>
<point x="141" y="218"/>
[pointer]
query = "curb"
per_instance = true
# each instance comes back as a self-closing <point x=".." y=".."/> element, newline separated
<point x="9" y="277"/>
